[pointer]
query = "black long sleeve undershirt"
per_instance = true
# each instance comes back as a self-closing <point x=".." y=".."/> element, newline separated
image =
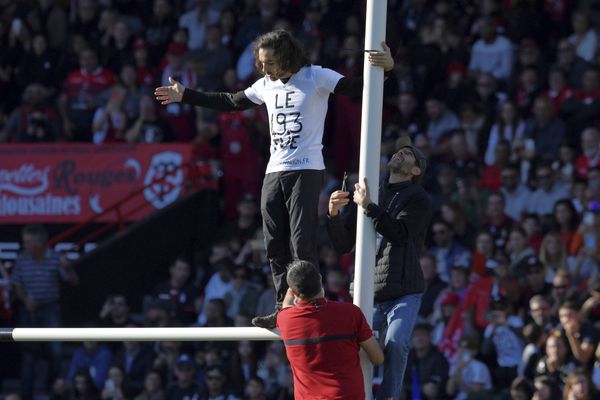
<point x="223" y="101"/>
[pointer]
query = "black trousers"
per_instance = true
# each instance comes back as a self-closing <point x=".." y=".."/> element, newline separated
<point x="288" y="204"/>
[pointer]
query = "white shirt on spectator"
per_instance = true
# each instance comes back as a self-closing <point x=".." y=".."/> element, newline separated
<point x="197" y="25"/>
<point x="542" y="202"/>
<point x="587" y="46"/>
<point x="516" y="202"/>
<point x="493" y="58"/>
<point x="508" y="134"/>
<point x="475" y="372"/>
<point x="508" y="345"/>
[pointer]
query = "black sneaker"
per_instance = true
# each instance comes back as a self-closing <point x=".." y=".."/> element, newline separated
<point x="267" y="322"/>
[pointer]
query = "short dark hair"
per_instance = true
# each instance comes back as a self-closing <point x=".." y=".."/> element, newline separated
<point x="36" y="230"/>
<point x="286" y="47"/>
<point x="304" y="278"/>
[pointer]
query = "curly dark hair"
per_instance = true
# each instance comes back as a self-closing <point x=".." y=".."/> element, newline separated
<point x="286" y="48"/>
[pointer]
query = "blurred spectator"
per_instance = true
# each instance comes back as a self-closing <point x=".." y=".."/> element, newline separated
<point x="135" y="359"/>
<point x="215" y="313"/>
<point x="185" y="387"/>
<point x="153" y="387"/>
<point x="216" y="384"/>
<point x="96" y="358"/>
<point x="563" y="289"/>
<point x="462" y="161"/>
<point x="491" y="175"/>
<point x="492" y="53"/>
<point x="516" y="194"/>
<point x="243" y="296"/>
<point x="508" y="126"/>
<point x="36" y="280"/>
<point x="179" y="291"/>
<point x="336" y="285"/>
<point x="84" y="18"/>
<point x="495" y="284"/>
<point x="407" y="119"/>
<point x="546" y="131"/>
<point x="521" y="389"/>
<point x="567" y="221"/>
<point x="118" y="49"/>
<point x="548" y="191"/>
<point x="78" y="102"/>
<point x="540" y="310"/>
<point x="426" y="368"/>
<point x="556" y="364"/>
<point x="502" y="341"/>
<point x="239" y="231"/>
<point x="433" y="285"/>
<point x="545" y="388"/>
<point x="558" y="89"/>
<point x="570" y="62"/>
<point x="590" y="310"/>
<point x="33" y="120"/>
<point x="146" y="72"/>
<point x="441" y="121"/>
<point x="83" y="387"/>
<point x="534" y="337"/>
<point x="484" y="251"/>
<point x="211" y="59"/>
<point x="582" y="109"/>
<point x="579" y="386"/>
<point x="534" y="281"/>
<point x="518" y="249"/>
<point x="109" y="121"/>
<point x="197" y="21"/>
<point x="114" y="386"/>
<point x="468" y="375"/>
<point x="243" y="363"/>
<point x="180" y="116"/>
<point x="584" y="37"/>
<point x="590" y="152"/>
<point x="446" y="250"/>
<point x="446" y="186"/>
<point x="49" y="20"/>
<point x="39" y="64"/>
<point x="581" y="336"/>
<point x="114" y="312"/>
<point x="497" y="223"/>
<point x="149" y="127"/>
<point x="255" y="389"/>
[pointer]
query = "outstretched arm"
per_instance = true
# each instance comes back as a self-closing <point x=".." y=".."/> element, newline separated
<point x="221" y="101"/>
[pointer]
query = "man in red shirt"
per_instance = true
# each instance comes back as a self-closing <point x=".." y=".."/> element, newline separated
<point x="322" y="339"/>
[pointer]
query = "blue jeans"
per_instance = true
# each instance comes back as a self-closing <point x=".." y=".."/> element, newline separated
<point x="44" y="316"/>
<point x="395" y="319"/>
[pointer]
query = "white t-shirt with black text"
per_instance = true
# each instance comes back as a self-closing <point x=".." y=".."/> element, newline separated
<point x="297" y="112"/>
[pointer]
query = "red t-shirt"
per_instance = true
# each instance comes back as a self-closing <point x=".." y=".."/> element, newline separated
<point x="322" y="340"/>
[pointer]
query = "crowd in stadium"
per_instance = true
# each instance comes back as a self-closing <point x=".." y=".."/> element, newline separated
<point x="503" y="96"/>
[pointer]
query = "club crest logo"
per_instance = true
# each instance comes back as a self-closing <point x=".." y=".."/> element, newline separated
<point x="164" y="179"/>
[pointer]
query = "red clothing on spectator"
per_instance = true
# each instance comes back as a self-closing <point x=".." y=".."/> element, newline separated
<point x="242" y="163"/>
<point x="490" y="177"/>
<point x="80" y="80"/>
<point x="478" y="299"/>
<point x="557" y="98"/>
<point x="583" y="164"/>
<point x="587" y="97"/>
<point x="573" y="242"/>
<point x="322" y="341"/>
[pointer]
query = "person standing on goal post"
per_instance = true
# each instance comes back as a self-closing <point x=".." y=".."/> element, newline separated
<point x="296" y="96"/>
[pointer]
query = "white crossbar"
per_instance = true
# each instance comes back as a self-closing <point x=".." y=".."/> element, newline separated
<point x="136" y="334"/>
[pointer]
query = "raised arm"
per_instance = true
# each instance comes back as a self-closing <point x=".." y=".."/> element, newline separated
<point x="352" y="86"/>
<point x="221" y="101"/>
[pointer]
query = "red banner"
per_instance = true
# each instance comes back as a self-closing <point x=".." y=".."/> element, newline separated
<point x="69" y="183"/>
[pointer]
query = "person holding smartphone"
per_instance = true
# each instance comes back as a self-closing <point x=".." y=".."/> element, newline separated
<point x="296" y="95"/>
<point x="401" y="219"/>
